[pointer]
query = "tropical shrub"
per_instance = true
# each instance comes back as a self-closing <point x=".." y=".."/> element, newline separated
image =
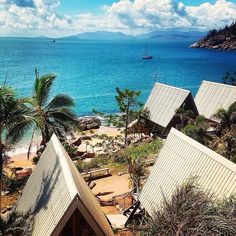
<point x="17" y="225"/>
<point x="198" y="130"/>
<point x="192" y="211"/>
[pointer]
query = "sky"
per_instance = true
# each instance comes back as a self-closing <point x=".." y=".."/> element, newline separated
<point x="57" y="18"/>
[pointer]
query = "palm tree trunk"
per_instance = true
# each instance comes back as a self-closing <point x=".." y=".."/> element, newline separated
<point x="127" y="121"/>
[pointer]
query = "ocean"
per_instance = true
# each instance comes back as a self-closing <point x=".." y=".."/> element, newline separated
<point x="89" y="71"/>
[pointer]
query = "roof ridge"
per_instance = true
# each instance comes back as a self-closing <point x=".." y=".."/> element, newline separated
<point x="68" y="176"/>
<point x="218" y="83"/>
<point x="209" y="152"/>
<point x="173" y="87"/>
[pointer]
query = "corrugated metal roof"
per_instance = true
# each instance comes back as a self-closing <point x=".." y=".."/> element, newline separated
<point x="180" y="159"/>
<point x="163" y="102"/>
<point x="52" y="188"/>
<point x="212" y="96"/>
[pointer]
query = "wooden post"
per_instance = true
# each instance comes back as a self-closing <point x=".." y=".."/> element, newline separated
<point x="73" y="226"/>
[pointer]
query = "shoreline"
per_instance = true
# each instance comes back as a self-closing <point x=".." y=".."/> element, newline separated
<point x="20" y="150"/>
<point x="23" y="145"/>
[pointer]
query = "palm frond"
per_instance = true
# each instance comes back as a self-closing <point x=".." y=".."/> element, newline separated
<point x="221" y="113"/>
<point x="232" y="108"/>
<point x="16" y="132"/>
<point x="59" y="101"/>
<point x="43" y="86"/>
<point x="63" y="114"/>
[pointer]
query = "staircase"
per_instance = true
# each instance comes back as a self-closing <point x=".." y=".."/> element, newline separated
<point x="134" y="212"/>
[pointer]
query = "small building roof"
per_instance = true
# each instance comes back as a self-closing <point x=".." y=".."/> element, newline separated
<point x="182" y="158"/>
<point x="212" y="96"/>
<point x="55" y="190"/>
<point x="163" y="102"/>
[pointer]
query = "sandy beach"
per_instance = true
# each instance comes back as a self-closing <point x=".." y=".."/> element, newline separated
<point x="19" y="153"/>
<point x="116" y="184"/>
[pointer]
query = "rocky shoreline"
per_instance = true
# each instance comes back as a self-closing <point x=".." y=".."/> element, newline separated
<point x="89" y="122"/>
<point x="219" y="42"/>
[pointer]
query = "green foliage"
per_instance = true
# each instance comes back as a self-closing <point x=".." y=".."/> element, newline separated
<point x="14" y="123"/>
<point x="97" y="112"/>
<point x="227" y="31"/>
<point x="127" y="98"/>
<point x="35" y="159"/>
<point x="198" y="130"/>
<point x="14" y="120"/>
<point x="120" y="159"/>
<point x="127" y="101"/>
<point x="53" y="116"/>
<point x="115" y="120"/>
<point x="186" y="116"/>
<point x="96" y="162"/>
<point x="71" y="150"/>
<point x="17" y="225"/>
<point x="142" y="150"/>
<point x="135" y="156"/>
<point x="225" y="142"/>
<point x="137" y="169"/>
<point x="227" y="117"/>
<point x="13" y="184"/>
<point x="230" y="78"/>
<point x="191" y="211"/>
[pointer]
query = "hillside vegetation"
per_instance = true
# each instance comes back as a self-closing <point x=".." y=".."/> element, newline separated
<point x="222" y="39"/>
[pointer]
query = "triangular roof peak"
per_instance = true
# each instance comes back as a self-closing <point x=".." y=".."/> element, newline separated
<point x="182" y="158"/>
<point x="55" y="190"/>
<point x="172" y="87"/>
<point x="213" y="96"/>
<point x="163" y="102"/>
<point x="219" y="84"/>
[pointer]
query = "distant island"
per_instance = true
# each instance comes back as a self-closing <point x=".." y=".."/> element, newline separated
<point x="100" y="35"/>
<point x="222" y="39"/>
<point x="160" y="35"/>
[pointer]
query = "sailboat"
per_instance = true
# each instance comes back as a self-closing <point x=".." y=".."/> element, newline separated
<point x="146" y="56"/>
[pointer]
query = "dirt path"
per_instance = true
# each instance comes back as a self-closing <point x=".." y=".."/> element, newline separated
<point x="115" y="183"/>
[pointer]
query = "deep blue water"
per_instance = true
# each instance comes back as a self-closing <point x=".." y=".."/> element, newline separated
<point x="89" y="71"/>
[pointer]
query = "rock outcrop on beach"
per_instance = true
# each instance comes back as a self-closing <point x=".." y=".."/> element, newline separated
<point x="88" y="122"/>
<point x="223" y="39"/>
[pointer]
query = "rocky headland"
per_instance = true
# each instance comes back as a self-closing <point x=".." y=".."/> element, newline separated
<point x="223" y="39"/>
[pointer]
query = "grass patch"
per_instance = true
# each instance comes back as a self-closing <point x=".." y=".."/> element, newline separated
<point x="143" y="149"/>
<point x="118" y="161"/>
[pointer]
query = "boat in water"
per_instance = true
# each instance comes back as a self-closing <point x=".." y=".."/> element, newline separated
<point x="52" y="40"/>
<point x="147" y="56"/>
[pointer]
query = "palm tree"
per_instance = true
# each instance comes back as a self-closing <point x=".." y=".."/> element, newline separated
<point x="230" y="78"/>
<point x="225" y="143"/>
<point x="198" y="130"/>
<point x="227" y="117"/>
<point x="53" y="116"/>
<point x="15" y="120"/>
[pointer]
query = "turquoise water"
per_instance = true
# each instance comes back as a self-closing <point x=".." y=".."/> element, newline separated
<point x="89" y="71"/>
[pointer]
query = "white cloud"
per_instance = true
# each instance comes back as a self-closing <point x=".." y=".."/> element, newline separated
<point x="154" y="14"/>
<point x="212" y="15"/>
<point x="32" y="17"/>
<point x="24" y="16"/>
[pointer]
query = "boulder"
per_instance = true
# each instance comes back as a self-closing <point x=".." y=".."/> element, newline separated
<point x="77" y="142"/>
<point x="88" y="122"/>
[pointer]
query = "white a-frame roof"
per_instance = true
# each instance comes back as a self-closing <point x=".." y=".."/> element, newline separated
<point x="163" y="102"/>
<point x="55" y="190"/>
<point x="182" y="158"/>
<point x="212" y="96"/>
